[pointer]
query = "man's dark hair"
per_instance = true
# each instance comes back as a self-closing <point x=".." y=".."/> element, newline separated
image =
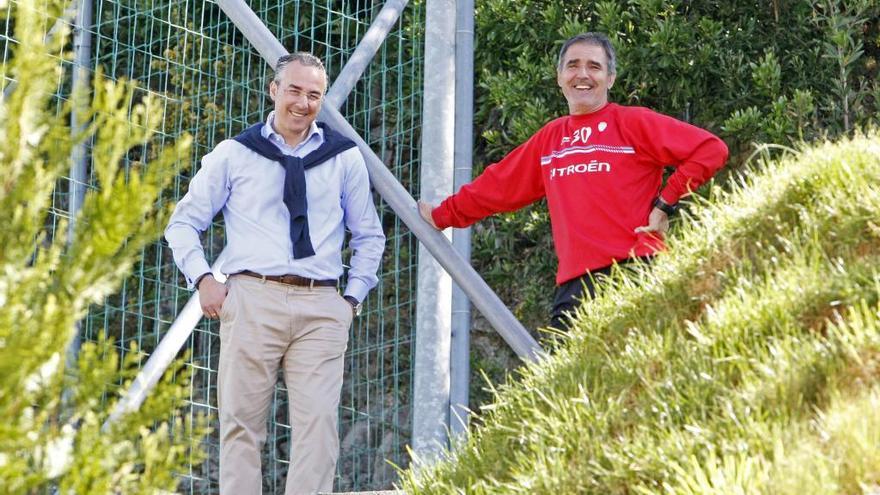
<point x="304" y="58"/>
<point x="595" y="39"/>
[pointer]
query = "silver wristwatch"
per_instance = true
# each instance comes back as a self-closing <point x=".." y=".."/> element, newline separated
<point x="356" y="305"/>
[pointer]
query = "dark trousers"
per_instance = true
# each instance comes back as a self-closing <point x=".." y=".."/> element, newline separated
<point x="570" y="294"/>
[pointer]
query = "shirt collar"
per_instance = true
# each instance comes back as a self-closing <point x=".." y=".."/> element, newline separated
<point x="268" y="131"/>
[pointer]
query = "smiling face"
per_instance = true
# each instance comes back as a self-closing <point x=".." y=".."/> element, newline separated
<point x="298" y="91"/>
<point x="584" y="78"/>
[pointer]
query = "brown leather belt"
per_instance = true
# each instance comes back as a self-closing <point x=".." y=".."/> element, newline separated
<point x="291" y="279"/>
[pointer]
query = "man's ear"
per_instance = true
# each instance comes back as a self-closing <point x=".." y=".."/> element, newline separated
<point x="273" y="89"/>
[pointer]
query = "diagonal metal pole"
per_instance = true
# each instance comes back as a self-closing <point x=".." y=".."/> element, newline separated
<point x="392" y="192"/>
<point x="364" y="53"/>
<point x="164" y="354"/>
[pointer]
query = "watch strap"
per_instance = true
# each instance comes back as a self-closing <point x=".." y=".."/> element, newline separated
<point x="356" y="305"/>
<point x="665" y="207"/>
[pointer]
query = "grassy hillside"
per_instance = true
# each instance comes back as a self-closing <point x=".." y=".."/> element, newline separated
<point x="746" y="359"/>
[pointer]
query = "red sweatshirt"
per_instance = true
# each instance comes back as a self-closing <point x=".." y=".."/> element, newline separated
<point x="600" y="173"/>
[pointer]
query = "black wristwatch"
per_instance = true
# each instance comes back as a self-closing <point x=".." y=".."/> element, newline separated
<point x="356" y="305"/>
<point x="665" y="207"/>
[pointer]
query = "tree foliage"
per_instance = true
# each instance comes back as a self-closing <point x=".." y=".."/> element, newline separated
<point x="53" y="433"/>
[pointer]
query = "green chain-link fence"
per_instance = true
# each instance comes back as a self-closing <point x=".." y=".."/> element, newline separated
<point x="213" y="85"/>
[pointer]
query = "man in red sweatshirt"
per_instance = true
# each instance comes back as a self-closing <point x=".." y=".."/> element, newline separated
<point x="601" y="170"/>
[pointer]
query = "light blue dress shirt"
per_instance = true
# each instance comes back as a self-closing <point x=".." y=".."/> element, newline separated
<point x="248" y="189"/>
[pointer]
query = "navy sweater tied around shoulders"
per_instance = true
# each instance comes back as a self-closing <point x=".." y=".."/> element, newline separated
<point x="295" y="177"/>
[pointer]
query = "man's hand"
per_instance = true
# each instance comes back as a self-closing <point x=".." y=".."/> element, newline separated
<point x="658" y="221"/>
<point x="211" y="296"/>
<point x="425" y="210"/>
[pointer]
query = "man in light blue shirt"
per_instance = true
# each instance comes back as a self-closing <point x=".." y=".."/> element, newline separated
<point x="287" y="189"/>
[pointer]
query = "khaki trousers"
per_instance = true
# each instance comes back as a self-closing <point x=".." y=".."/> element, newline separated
<point x="264" y="326"/>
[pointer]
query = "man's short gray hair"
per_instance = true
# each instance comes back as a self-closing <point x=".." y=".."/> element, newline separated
<point x="303" y="58"/>
<point x="595" y="39"/>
